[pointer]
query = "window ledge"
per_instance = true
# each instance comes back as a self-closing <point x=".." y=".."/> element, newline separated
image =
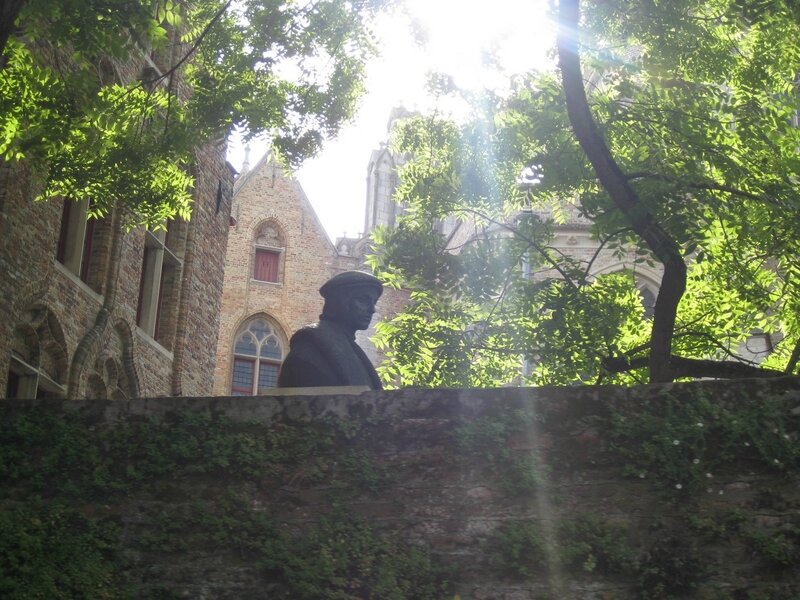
<point x="78" y="281"/>
<point x="267" y="283"/>
<point x="141" y="333"/>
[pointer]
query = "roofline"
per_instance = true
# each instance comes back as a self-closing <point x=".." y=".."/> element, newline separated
<point x="293" y="180"/>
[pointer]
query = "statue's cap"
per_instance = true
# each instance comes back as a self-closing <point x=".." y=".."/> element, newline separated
<point x="350" y="279"/>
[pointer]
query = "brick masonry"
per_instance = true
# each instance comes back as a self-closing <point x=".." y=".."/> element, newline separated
<point x="45" y="306"/>
<point x="267" y="194"/>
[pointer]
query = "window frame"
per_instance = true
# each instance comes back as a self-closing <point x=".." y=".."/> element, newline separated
<point x="79" y="238"/>
<point x="265" y="250"/>
<point x="242" y="390"/>
<point x="159" y="260"/>
<point x="258" y="360"/>
<point x="72" y="235"/>
<point x="261" y="247"/>
<point x="31" y="381"/>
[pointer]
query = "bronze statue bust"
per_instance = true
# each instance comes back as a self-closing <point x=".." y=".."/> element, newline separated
<point x="326" y="354"/>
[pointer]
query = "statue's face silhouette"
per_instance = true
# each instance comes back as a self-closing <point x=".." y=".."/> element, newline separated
<point x="353" y="306"/>
<point x="362" y="306"/>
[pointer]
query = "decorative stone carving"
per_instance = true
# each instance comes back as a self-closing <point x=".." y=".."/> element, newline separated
<point x="269" y="235"/>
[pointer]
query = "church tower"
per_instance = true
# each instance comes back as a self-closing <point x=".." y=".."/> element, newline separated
<point x="382" y="180"/>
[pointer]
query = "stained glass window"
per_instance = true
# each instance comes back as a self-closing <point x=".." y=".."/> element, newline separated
<point x="243" y="370"/>
<point x="272" y="348"/>
<point x="246" y="345"/>
<point x="267" y="376"/>
<point x="257" y="357"/>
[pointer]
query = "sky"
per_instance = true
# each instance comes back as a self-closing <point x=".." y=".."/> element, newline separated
<point x="457" y="34"/>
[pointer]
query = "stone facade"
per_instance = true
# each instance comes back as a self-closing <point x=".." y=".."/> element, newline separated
<point x="272" y="214"/>
<point x="382" y="179"/>
<point x="92" y="309"/>
<point x="271" y="211"/>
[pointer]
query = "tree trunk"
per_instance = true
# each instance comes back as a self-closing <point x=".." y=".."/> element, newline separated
<point x="673" y="282"/>
<point x="9" y="10"/>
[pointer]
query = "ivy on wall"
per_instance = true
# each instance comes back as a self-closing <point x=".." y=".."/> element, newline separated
<point x="68" y="528"/>
<point x="157" y="507"/>
<point x="679" y="444"/>
<point x="679" y="447"/>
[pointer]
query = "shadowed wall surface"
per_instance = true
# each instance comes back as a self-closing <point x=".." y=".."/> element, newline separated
<point x="673" y="491"/>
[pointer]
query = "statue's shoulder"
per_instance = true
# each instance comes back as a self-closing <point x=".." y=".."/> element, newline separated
<point x="304" y="335"/>
<point x="315" y="334"/>
<point x="306" y="330"/>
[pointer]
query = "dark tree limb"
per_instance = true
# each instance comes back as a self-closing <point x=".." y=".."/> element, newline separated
<point x="614" y="181"/>
<point x="693" y="367"/>
<point x="793" y="359"/>
<point x="701" y="185"/>
<point x="9" y="11"/>
<point x="700" y="334"/>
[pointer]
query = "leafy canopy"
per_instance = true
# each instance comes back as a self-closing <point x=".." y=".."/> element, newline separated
<point x="697" y="103"/>
<point x="110" y="99"/>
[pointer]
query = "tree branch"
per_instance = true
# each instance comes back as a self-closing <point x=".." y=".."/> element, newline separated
<point x="673" y="282"/>
<point x="194" y="47"/>
<point x="540" y="249"/>
<point x="703" y="185"/>
<point x="693" y="367"/>
<point x="602" y="245"/>
<point x="793" y="359"/>
<point x="700" y="334"/>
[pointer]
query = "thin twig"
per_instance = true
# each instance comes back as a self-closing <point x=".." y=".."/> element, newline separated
<point x="195" y="45"/>
<point x="541" y="250"/>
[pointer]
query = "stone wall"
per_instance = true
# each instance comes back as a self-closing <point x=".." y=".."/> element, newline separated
<point x="671" y="491"/>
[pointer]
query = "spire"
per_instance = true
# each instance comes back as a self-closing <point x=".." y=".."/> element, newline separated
<point x="246" y="163"/>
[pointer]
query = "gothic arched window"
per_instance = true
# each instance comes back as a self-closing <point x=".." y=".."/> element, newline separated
<point x="257" y="357"/>
<point x="648" y="297"/>
<point x="38" y="364"/>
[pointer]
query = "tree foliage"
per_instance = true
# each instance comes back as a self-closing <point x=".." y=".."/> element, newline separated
<point x="90" y="129"/>
<point x="686" y="155"/>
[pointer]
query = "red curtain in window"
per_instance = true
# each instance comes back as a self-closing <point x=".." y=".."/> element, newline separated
<point x="266" y="265"/>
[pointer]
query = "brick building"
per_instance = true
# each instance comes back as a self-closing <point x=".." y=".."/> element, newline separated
<point x="278" y="257"/>
<point x="90" y="309"/>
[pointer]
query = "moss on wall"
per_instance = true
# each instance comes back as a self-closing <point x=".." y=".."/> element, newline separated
<point x="655" y="492"/>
